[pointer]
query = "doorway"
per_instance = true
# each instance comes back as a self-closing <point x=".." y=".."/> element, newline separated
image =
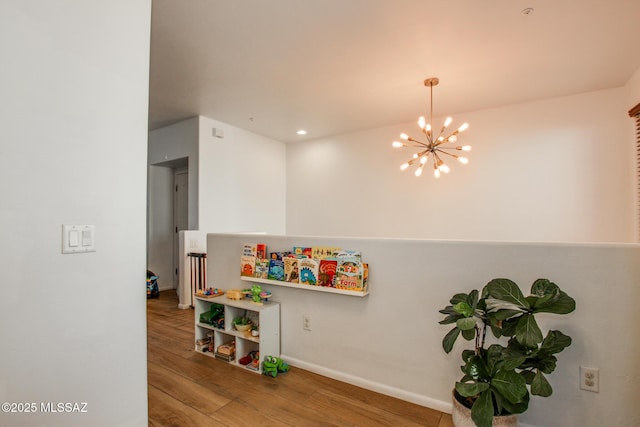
<point x="180" y="216"/>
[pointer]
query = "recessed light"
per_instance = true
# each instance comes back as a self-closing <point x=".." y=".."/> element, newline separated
<point x="302" y="132"/>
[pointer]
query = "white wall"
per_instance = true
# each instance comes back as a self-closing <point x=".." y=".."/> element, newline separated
<point x="390" y="340"/>
<point x="73" y="117"/>
<point x="242" y="183"/>
<point x="160" y="231"/>
<point x="551" y="170"/>
<point x="172" y="143"/>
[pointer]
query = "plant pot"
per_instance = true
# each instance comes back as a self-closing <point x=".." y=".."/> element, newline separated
<point x="243" y="328"/>
<point x="461" y="416"/>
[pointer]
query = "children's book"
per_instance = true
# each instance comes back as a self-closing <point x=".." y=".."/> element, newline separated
<point x="262" y="268"/>
<point x="291" y="272"/>
<point x="276" y="270"/>
<point x="247" y="266"/>
<point x="308" y="268"/>
<point x="349" y="271"/>
<point x="278" y="255"/>
<point x="258" y="250"/>
<point x="327" y="272"/>
<point x="302" y="251"/>
<point x="323" y="252"/>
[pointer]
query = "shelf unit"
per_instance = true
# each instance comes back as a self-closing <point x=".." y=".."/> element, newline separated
<point x="267" y="316"/>
<point x="305" y="287"/>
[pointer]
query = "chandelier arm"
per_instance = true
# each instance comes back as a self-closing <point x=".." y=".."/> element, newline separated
<point x="447" y="153"/>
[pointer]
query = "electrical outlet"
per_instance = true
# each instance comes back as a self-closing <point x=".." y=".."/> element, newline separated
<point x="306" y="322"/>
<point x="590" y="379"/>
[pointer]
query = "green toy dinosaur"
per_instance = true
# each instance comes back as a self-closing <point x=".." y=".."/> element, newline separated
<point x="273" y="365"/>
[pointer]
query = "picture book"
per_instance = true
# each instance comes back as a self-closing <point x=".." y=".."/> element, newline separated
<point x="291" y="271"/>
<point x="278" y="255"/>
<point x="258" y="250"/>
<point x="276" y="270"/>
<point x="308" y="268"/>
<point x="247" y="266"/>
<point x="302" y="251"/>
<point x="349" y="273"/>
<point x="327" y="272"/>
<point x="262" y="268"/>
<point x="323" y="252"/>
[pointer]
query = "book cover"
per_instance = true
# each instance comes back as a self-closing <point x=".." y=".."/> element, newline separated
<point x="323" y="252"/>
<point x="262" y="268"/>
<point x="308" y="268"/>
<point x="349" y="273"/>
<point x="327" y="272"/>
<point x="276" y="270"/>
<point x="247" y="266"/>
<point x="302" y="251"/>
<point x="258" y="250"/>
<point x="291" y="271"/>
<point x="278" y="255"/>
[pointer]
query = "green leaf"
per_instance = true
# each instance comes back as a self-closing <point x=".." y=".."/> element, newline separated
<point x="450" y="339"/>
<point x="527" y="331"/>
<point x="458" y="298"/>
<point x="482" y="410"/>
<point x="506" y="290"/>
<point x="452" y="318"/>
<point x="463" y="308"/>
<point x="510" y="384"/>
<point x="509" y="326"/>
<point x="472" y="299"/>
<point x="511" y="408"/>
<point x="542" y="287"/>
<point x="471" y="389"/>
<point x="560" y="304"/>
<point x="555" y="342"/>
<point x="466" y="323"/>
<point x="469" y="334"/>
<point x="540" y="386"/>
<point x="511" y="359"/>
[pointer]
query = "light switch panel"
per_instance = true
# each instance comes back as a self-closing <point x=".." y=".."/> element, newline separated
<point x="78" y="238"/>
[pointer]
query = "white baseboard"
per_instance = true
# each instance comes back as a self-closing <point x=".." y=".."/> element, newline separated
<point x="183" y="306"/>
<point x="418" y="399"/>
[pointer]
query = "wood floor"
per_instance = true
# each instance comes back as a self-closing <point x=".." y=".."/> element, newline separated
<point x="189" y="389"/>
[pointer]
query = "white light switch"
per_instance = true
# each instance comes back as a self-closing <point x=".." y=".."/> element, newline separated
<point x="78" y="238"/>
<point x="73" y="238"/>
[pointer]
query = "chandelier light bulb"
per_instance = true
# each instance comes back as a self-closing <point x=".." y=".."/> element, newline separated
<point x="463" y="160"/>
<point x="418" y="171"/>
<point x="436" y="173"/>
<point x="428" y="127"/>
<point x="421" y="122"/>
<point x="404" y="166"/>
<point x="466" y="148"/>
<point x="404" y="136"/>
<point x="448" y="121"/>
<point x="423" y="159"/>
<point x="452" y="138"/>
<point x="444" y="168"/>
<point x="464" y="127"/>
<point x="397" y="144"/>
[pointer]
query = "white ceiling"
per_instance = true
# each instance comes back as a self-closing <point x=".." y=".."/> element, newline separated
<point x="335" y="66"/>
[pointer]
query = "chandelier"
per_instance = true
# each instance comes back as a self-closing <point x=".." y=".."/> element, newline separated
<point x="435" y="146"/>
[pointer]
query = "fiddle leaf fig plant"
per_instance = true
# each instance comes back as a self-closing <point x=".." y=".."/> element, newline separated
<point x="498" y="380"/>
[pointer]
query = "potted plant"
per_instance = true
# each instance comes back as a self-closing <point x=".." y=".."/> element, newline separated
<point x="242" y="323"/>
<point x="497" y="380"/>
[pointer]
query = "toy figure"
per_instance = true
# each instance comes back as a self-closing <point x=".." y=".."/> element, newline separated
<point x="255" y="292"/>
<point x="274" y="365"/>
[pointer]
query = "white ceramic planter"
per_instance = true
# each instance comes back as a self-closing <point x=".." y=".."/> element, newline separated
<point x="461" y="416"/>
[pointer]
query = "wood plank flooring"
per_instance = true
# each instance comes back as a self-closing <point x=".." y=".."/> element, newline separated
<point x="189" y="389"/>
